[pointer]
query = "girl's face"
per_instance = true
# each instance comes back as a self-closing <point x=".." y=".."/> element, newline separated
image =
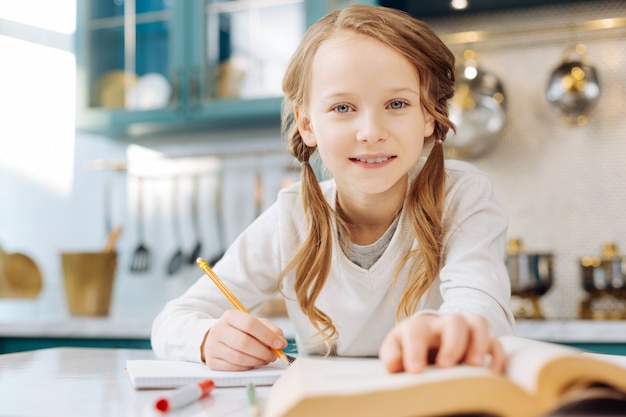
<point x="364" y="114"/>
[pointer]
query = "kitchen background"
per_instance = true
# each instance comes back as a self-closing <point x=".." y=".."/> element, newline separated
<point x="561" y="184"/>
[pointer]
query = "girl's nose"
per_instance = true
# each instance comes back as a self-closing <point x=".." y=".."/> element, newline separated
<point x="371" y="128"/>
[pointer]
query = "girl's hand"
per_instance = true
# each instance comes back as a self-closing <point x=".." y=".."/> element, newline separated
<point x="239" y="341"/>
<point x="441" y="340"/>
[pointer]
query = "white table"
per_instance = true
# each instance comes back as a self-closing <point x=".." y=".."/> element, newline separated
<point x="87" y="382"/>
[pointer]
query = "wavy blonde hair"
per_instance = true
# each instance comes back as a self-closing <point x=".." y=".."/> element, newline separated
<point x="434" y="64"/>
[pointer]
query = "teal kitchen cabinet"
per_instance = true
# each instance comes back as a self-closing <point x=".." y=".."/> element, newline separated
<point x="175" y="63"/>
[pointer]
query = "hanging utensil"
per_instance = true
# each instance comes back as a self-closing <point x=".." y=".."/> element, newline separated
<point x="141" y="257"/>
<point x="219" y="232"/>
<point x="176" y="260"/>
<point x="112" y="239"/>
<point x="478" y="109"/>
<point x="112" y="233"/>
<point x="106" y="198"/>
<point x="574" y="86"/>
<point x="195" y="253"/>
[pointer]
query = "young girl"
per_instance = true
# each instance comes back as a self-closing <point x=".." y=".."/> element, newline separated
<point x="399" y="255"/>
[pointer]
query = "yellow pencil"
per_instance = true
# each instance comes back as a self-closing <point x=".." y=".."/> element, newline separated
<point x="236" y="303"/>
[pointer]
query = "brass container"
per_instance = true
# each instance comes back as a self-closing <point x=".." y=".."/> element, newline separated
<point x="88" y="278"/>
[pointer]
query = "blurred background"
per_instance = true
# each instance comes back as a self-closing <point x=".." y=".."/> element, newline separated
<point x="159" y="119"/>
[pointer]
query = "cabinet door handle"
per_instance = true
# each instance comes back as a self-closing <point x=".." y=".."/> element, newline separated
<point x="175" y="94"/>
<point x="194" y="88"/>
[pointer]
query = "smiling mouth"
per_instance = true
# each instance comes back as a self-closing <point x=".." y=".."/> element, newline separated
<point x="373" y="160"/>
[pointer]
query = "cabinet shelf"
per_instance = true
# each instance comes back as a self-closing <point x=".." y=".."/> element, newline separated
<point x="219" y="59"/>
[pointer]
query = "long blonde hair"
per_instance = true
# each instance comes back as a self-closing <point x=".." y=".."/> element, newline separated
<point x="434" y="64"/>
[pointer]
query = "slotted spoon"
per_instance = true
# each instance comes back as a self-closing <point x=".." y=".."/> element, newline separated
<point x="141" y="257"/>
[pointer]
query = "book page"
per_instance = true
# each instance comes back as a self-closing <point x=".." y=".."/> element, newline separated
<point x="619" y="360"/>
<point x="172" y="374"/>
<point x="526" y="357"/>
<point x="551" y="371"/>
<point x="361" y="375"/>
<point x="338" y="387"/>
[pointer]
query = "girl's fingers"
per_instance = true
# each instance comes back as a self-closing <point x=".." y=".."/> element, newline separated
<point x="483" y="346"/>
<point x="417" y="337"/>
<point x="240" y="341"/>
<point x="276" y="330"/>
<point x="270" y="337"/>
<point x="391" y="353"/>
<point x="498" y="357"/>
<point x="454" y="339"/>
<point x="406" y="347"/>
<point x="480" y="343"/>
<point x="454" y="335"/>
<point x="228" y="359"/>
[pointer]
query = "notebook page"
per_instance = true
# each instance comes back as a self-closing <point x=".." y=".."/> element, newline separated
<point x="145" y="374"/>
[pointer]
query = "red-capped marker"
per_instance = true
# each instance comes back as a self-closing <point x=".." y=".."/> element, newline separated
<point x="184" y="396"/>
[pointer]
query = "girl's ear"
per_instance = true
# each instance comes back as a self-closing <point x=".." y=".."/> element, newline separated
<point x="304" y="127"/>
<point x="429" y="124"/>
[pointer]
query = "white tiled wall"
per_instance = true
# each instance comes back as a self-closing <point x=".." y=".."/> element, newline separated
<point x="564" y="187"/>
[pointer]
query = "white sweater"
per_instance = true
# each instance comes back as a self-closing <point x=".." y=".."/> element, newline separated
<point x="361" y="303"/>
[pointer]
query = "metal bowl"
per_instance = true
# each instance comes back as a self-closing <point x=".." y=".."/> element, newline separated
<point x="531" y="274"/>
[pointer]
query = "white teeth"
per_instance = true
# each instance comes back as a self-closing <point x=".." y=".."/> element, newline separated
<point x="373" y="160"/>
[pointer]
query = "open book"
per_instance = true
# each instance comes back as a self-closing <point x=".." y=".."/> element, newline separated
<point x="146" y="374"/>
<point x="539" y="378"/>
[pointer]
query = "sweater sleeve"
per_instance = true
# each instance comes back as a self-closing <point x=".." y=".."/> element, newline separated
<point x="474" y="279"/>
<point x="249" y="268"/>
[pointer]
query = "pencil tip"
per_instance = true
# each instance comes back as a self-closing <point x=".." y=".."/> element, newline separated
<point x="290" y="359"/>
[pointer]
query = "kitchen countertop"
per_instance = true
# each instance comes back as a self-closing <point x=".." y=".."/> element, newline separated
<point x="573" y="331"/>
<point x="138" y="327"/>
<point x="92" y="382"/>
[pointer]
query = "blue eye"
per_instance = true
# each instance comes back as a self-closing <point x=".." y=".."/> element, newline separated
<point x="397" y="104"/>
<point x="342" y="108"/>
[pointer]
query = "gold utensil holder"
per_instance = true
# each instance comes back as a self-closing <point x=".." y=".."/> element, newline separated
<point x="89" y="280"/>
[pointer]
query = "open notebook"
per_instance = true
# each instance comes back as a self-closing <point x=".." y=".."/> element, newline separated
<point x="146" y="374"/>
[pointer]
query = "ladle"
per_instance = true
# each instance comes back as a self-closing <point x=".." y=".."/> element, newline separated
<point x="195" y="252"/>
<point x="176" y="260"/>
